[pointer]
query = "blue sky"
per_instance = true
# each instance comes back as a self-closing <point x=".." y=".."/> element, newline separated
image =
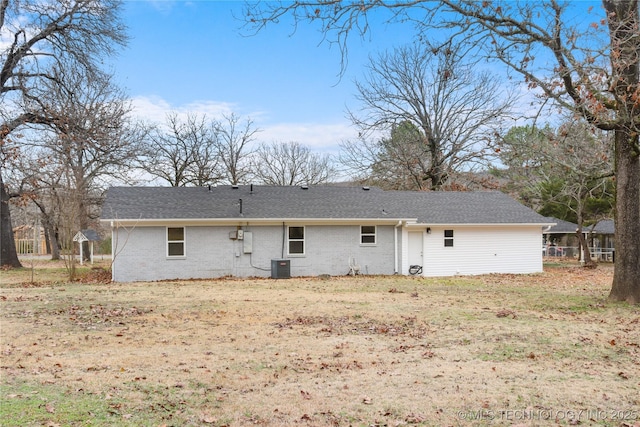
<point x="193" y="56"/>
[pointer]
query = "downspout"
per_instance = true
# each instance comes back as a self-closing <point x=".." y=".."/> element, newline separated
<point x="395" y="248"/>
<point x="113" y="253"/>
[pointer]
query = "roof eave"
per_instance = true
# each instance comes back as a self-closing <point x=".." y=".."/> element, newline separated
<point x="239" y="221"/>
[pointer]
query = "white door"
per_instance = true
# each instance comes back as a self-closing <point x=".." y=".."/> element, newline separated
<point x="415" y="251"/>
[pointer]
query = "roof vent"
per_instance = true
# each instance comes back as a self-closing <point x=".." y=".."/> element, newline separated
<point x="234" y="187"/>
<point x="365" y="188"/>
<point x="304" y="187"/>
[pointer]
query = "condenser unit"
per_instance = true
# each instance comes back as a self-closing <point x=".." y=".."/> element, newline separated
<point x="280" y="269"/>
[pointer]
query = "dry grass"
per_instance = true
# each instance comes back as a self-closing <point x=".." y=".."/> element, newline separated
<point x="540" y="349"/>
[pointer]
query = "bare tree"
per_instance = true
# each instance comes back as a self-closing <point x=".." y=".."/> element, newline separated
<point x="396" y="162"/>
<point x="451" y="107"/>
<point x="183" y="152"/>
<point x="566" y="168"/>
<point x="233" y="145"/>
<point x="590" y="67"/>
<point x="41" y="35"/>
<point x="85" y="140"/>
<point x="291" y="163"/>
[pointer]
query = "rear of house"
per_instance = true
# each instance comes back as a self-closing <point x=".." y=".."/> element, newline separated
<point x="244" y="231"/>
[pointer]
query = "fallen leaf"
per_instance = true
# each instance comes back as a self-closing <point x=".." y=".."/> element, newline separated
<point x="50" y="409"/>
<point x="305" y="395"/>
<point x="506" y="313"/>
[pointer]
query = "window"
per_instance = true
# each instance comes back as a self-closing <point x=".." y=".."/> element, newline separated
<point x="368" y="234"/>
<point x="448" y="238"/>
<point x="175" y="241"/>
<point x="296" y="240"/>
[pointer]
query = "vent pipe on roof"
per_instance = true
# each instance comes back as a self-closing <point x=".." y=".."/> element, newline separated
<point x="251" y="189"/>
<point x="365" y="188"/>
<point x="240" y="200"/>
<point x="304" y="186"/>
<point x="234" y="187"/>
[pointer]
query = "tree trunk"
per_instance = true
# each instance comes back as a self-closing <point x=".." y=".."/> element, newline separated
<point x="585" y="253"/>
<point x="8" y="253"/>
<point x="624" y="19"/>
<point x="54" y="248"/>
<point x="626" y="273"/>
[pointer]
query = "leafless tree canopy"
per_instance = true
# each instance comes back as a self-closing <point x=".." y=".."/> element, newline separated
<point x="234" y="137"/>
<point x="85" y="142"/>
<point x="183" y="151"/>
<point x="197" y="150"/>
<point x="452" y="105"/>
<point x="291" y="163"/>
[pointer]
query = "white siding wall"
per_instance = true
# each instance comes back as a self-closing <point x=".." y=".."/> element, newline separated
<point x="482" y="250"/>
<point x="210" y="253"/>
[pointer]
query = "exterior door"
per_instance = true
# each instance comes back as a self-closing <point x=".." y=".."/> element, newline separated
<point x="415" y="251"/>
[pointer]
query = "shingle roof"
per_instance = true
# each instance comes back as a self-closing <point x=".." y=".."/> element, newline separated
<point x="318" y="202"/>
<point x="92" y="235"/>
<point x="562" y="226"/>
<point x="606" y="226"/>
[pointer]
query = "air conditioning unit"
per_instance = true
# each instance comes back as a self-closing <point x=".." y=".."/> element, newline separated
<point x="280" y="269"/>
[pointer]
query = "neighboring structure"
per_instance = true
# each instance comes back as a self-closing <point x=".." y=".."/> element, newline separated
<point x="194" y="232"/>
<point x="560" y="240"/>
<point x="602" y="240"/>
<point x="87" y="235"/>
<point x="29" y="240"/>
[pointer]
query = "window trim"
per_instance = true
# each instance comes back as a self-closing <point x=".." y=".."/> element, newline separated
<point x="374" y="234"/>
<point x="169" y="242"/>
<point x="448" y="238"/>
<point x="303" y="240"/>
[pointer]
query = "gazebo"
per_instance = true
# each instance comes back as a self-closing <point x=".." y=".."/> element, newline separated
<point x="87" y="235"/>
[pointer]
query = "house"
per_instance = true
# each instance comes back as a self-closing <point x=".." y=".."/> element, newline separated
<point x="602" y="236"/>
<point x="560" y="240"/>
<point x="197" y="232"/>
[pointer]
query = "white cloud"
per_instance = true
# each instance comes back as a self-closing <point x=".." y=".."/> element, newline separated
<point x="320" y="137"/>
<point x="155" y="109"/>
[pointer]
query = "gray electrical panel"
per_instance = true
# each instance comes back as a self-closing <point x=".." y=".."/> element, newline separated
<point x="247" y="243"/>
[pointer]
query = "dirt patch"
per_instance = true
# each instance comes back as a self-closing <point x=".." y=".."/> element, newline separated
<point x="541" y="349"/>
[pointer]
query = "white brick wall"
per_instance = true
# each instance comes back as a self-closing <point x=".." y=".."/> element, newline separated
<point x="211" y="253"/>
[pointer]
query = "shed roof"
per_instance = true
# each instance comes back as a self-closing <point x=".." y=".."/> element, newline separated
<point x="314" y="202"/>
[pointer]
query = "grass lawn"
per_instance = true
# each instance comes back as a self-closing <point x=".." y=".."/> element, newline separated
<point x="543" y="349"/>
